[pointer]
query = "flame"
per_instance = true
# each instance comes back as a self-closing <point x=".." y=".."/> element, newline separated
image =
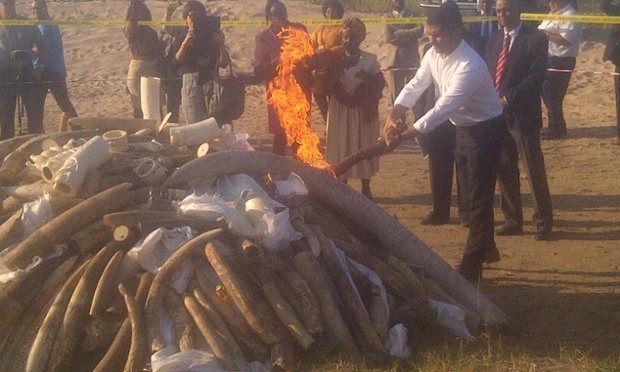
<point x="289" y="100"/>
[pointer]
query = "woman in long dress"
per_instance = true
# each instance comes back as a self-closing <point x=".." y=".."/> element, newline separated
<point x="353" y="113"/>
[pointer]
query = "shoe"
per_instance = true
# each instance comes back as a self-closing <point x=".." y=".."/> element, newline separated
<point x="508" y="230"/>
<point x="542" y="235"/>
<point x="492" y="256"/>
<point x="432" y="219"/>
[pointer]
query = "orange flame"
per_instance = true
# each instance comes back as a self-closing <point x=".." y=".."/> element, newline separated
<point x="289" y="100"/>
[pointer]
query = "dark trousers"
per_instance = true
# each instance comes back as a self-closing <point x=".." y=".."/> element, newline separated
<point x="478" y="149"/>
<point x="441" y="161"/>
<point x="57" y="84"/>
<point x="617" y="90"/>
<point x="172" y="90"/>
<point x="554" y="90"/>
<point x="397" y="79"/>
<point x="31" y="97"/>
<point x="526" y="146"/>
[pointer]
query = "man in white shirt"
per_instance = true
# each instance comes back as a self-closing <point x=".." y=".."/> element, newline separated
<point x="564" y="38"/>
<point x="466" y="97"/>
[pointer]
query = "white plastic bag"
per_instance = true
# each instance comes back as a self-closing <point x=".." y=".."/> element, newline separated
<point x="152" y="251"/>
<point x="169" y="359"/>
<point x="280" y="233"/>
<point x="451" y="317"/>
<point x="36" y="214"/>
<point x="397" y="342"/>
<point x="209" y="207"/>
<point x="234" y="141"/>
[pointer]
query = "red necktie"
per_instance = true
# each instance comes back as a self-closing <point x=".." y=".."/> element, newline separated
<point x="501" y="61"/>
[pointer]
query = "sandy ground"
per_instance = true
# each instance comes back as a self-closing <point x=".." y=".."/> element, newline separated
<point x="561" y="294"/>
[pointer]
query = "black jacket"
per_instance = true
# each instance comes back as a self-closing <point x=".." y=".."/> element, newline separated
<point x="523" y="77"/>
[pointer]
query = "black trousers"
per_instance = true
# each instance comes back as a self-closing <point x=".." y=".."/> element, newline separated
<point x="478" y="149"/>
<point x="554" y="91"/>
<point x="617" y="90"/>
<point x="57" y="84"/>
<point x="524" y="145"/>
<point x="441" y="162"/>
<point x="31" y="95"/>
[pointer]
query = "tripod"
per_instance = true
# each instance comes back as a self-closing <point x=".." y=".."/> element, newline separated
<point x="20" y="108"/>
<point x="24" y="76"/>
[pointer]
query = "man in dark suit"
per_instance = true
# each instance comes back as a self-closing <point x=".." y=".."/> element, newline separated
<point x="480" y="31"/>
<point x="519" y="75"/>
<point x="612" y="53"/>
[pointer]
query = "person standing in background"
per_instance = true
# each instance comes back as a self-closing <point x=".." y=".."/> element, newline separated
<point x="54" y="76"/>
<point x="266" y="58"/>
<point x="612" y="53"/>
<point x="517" y="60"/>
<point x="326" y="37"/>
<point x="146" y="50"/>
<point x="564" y="39"/>
<point x="403" y="56"/>
<point x="172" y="37"/>
<point x="18" y="77"/>
<point x="353" y="118"/>
<point x="480" y="31"/>
<point x="201" y="53"/>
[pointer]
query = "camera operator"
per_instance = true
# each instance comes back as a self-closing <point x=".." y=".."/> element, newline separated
<point x="17" y="75"/>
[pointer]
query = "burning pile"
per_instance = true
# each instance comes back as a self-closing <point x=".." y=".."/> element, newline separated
<point x="339" y="278"/>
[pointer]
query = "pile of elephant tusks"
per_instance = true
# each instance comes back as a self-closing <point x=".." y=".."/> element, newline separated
<point x="90" y="307"/>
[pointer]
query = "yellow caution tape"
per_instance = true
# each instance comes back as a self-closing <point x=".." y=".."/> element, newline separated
<point x="592" y="19"/>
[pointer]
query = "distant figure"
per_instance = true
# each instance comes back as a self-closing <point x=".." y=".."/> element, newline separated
<point x="326" y="38"/>
<point x="480" y="31"/>
<point x="266" y="58"/>
<point x="564" y="38"/>
<point x="402" y="51"/>
<point x="353" y="115"/>
<point x="172" y="37"/>
<point x="519" y="74"/>
<point x="201" y="53"/>
<point x="612" y="53"/>
<point x="17" y="74"/>
<point x="54" y="75"/>
<point x="146" y="50"/>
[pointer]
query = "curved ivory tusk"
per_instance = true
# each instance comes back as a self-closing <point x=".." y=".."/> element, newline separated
<point x="351" y="204"/>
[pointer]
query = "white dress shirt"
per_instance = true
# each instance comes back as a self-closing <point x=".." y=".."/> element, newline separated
<point x="571" y="31"/>
<point x="466" y="93"/>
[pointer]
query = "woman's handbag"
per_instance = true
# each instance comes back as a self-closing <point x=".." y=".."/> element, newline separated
<point x="225" y="97"/>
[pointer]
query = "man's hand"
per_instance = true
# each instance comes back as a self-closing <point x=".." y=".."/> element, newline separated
<point x="391" y="133"/>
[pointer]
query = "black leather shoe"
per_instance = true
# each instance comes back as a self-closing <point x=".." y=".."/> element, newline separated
<point x="492" y="256"/>
<point x="507" y="230"/>
<point x="432" y="219"/>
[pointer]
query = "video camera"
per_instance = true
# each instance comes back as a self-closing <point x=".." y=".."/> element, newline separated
<point x="22" y="62"/>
